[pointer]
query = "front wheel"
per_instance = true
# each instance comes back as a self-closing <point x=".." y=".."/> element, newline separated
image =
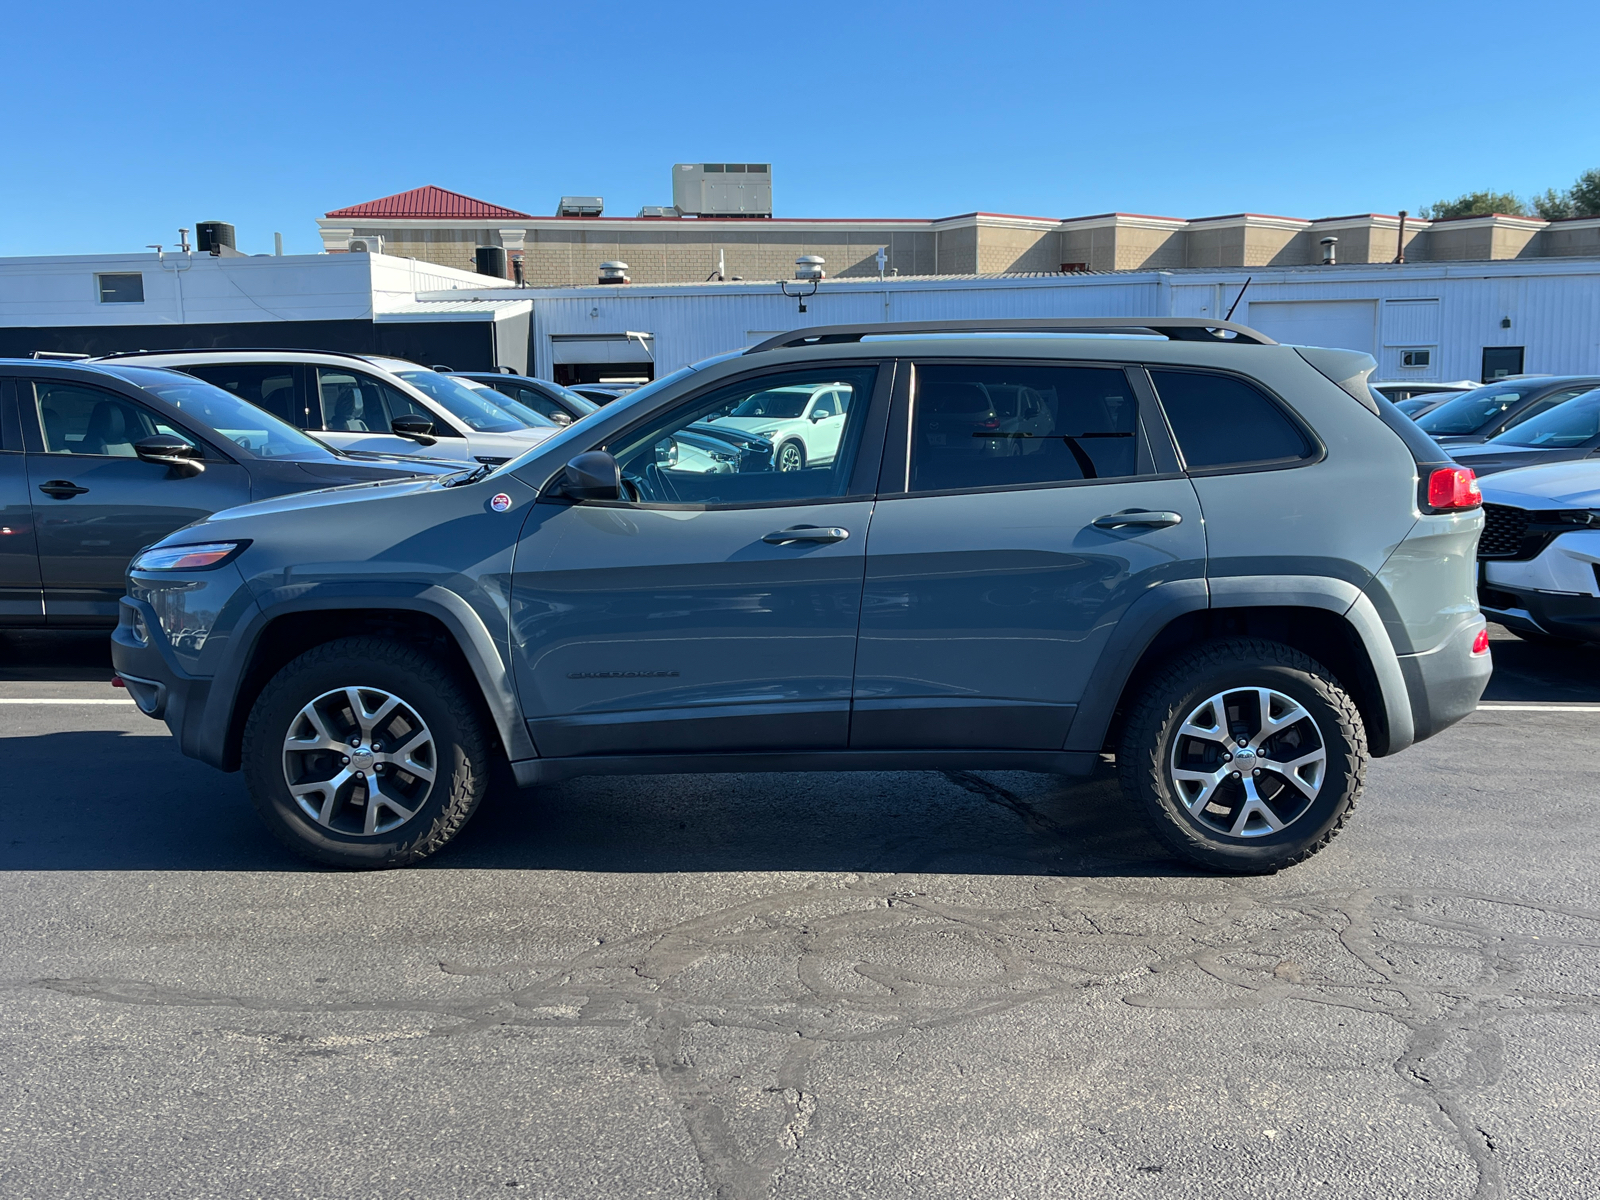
<point x="791" y="457"/>
<point x="1244" y="756"/>
<point x="365" y="753"/>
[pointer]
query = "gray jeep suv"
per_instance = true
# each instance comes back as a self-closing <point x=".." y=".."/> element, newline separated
<point x="1227" y="562"/>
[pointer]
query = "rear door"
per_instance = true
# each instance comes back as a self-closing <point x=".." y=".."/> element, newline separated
<point x="21" y="601"/>
<point x="96" y="504"/>
<point x="1025" y="505"/>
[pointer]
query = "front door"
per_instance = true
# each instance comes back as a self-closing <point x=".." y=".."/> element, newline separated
<point x="21" y="601"/>
<point x="1030" y="510"/>
<point x="717" y="609"/>
<point x="95" y="503"/>
<point x="357" y="410"/>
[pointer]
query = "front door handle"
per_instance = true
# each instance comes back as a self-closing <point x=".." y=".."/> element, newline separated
<point x="62" y="489"/>
<point x="807" y="533"/>
<point x="1138" y="516"/>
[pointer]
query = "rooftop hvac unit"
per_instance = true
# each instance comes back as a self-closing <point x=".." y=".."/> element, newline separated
<point x="722" y="189"/>
<point x="658" y="210"/>
<point x="580" y="206"/>
<point x="366" y="244"/>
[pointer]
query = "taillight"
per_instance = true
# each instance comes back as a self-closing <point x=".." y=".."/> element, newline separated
<point x="1480" y="644"/>
<point x="1453" y="488"/>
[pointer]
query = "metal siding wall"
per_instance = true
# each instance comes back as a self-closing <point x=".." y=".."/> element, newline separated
<point x="1410" y="323"/>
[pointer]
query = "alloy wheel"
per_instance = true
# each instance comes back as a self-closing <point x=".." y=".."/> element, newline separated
<point x="359" y="761"/>
<point x="791" y="457"/>
<point x="1248" y="762"/>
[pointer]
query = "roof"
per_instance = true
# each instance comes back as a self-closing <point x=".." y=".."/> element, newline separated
<point x="429" y="202"/>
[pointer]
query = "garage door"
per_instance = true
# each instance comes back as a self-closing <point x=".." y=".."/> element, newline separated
<point x="1343" y="324"/>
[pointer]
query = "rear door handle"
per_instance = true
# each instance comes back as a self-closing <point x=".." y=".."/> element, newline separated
<point x="807" y="533"/>
<point x="1138" y="516"/>
<point x="62" y="489"/>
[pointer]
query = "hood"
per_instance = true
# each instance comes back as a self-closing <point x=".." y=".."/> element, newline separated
<point x="370" y="468"/>
<point x="514" y="443"/>
<point x="330" y="497"/>
<point x="1552" y="485"/>
<point x="757" y="425"/>
<point x="1489" y="458"/>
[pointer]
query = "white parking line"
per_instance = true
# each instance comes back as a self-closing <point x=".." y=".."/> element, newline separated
<point x="58" y="700"/>
<point x="1594" y="708"/>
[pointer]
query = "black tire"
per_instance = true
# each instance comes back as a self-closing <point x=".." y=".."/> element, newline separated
<point x="800" y="454"/>
<point x="460" y="751"/>
<point x="1149" y="738"/>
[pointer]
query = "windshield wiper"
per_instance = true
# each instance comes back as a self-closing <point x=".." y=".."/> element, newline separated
<point x="472" y="476"/>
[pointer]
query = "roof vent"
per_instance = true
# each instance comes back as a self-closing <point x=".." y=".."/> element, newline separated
<point x="658" y="210"/>
<point x="613" y="272"/>
<point x="809" y="266"/>
<point x="580" y="206"/>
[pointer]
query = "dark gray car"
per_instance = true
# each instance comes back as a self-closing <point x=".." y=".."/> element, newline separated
<point x="1563" y="434"/>
<point x="98" y="462"/>
<point x="1227" y="562"/>
<point x="1483" y="413"/>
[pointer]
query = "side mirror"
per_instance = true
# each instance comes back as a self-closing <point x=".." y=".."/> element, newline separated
<point x="819" y="416"/>
<point x="165" y="450"/>
<point x="560" y="418"/>
<point x="592" y="476"/>
<point x="417" y="429"/>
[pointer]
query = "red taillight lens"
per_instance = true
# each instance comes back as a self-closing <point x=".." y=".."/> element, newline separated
<point x="1454" y="488"/>
<point x="1480" y="644"/>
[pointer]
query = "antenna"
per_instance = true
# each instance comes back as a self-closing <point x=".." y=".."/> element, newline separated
<point x="1238" y="298"/>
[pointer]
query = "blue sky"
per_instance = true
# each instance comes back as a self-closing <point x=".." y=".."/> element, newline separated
<point x="127" y="121"/>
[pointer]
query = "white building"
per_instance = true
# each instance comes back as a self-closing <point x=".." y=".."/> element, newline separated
<point x="1425" y="321"/>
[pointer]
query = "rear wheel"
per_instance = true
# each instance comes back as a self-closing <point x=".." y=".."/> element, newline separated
<point x="1244" y="755"/>
<point x="365" y="753"/>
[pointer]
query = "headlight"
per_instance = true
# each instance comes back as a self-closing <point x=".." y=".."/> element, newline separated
<point x="198" y="557"/>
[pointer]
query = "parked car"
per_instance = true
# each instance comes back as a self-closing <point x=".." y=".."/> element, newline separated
<point x="552" y="401"/>
<point x="604" y="393"/>
<point x="364" y="403"/>
<point x="98" y="461"/>
<point x="803" y="424"/>
<point x="1158" y="573"/>
<point x="1569" y="431"/>
<point x="1413" y="391"/>
<point x="1540" y="552"/>
<point x="1486" y="412"/>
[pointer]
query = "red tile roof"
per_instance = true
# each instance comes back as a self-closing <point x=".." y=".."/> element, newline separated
<point x="429" y="203"/>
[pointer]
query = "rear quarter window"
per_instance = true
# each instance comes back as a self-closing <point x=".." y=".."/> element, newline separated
<point x="1220" y="421"/>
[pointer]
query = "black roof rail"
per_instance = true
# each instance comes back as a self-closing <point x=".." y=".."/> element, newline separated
<point x="1178" y="329"/>
<point x="236" y="350"/>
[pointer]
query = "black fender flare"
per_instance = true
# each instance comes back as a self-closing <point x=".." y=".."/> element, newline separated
<point x="1146" y="617"/>
<point x="210" y="738"/>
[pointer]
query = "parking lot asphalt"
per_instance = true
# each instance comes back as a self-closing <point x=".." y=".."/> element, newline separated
<point x="876" y="985"/>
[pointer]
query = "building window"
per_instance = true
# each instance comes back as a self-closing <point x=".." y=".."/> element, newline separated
<point x="1501" y="361"/>
<point x="121" y="288"/>
<point x="1073" y="268"/>
<point x="1416" y="358"/>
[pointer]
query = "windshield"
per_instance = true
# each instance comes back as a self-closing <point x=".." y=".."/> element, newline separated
<point x="1474" y="410"/>
<point x="532" y="418"/>
<point x="582" y="403"/>
<point x="1569" y="424"/>
<point x="786" y="403"/>
<point x="254" y="429"/>
<point x="1415" y="405"/>
<point x="471" y="405"/>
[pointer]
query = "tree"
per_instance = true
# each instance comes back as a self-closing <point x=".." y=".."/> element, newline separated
<point x="1476" y="204"/>
<point x="1553" y="205"/>
<point x="1582" y="199"/>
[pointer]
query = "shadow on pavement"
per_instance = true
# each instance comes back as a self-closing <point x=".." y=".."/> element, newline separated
<point x="105" y="800"/>
<point x="1542" y="673"/>
<point x="55" y="656"/>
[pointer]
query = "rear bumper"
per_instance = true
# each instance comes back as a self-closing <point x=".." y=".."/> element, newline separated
<point x="1560" y="614"/>
<point x="1446" y="683"/>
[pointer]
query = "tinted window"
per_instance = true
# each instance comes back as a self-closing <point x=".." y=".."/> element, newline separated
<point x="998" y="423"/>
<point x="1220" y="421"/>
<point x="1545" y="404"/>
<point x="737" y="446"/>
<point x="357" y="403"/>
<point x="1572" y="424"/>
<point x="272" y="386"/>
<point x="1474" y="410"/>
<point x="233" y="417"/>
<point x="85" y="420"/>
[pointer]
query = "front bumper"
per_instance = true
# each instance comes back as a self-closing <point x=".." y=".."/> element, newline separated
<point x="1557" y="592"/>
<point x="1446" y="683"/>
<point x="1528" y="610"/>
<point x="144" y="661"/>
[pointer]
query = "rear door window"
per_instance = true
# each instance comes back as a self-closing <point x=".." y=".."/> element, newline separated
<point x="275" y="387"/>
<point x="1221" y="421"/>
<point x="1004" y="424"/>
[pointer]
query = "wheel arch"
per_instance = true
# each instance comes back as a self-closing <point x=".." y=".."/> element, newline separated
<point x="439" y="620"/>
<point x="1328" y="619"/>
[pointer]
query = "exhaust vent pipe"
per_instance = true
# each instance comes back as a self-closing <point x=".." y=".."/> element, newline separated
<point x="613" y="272"/>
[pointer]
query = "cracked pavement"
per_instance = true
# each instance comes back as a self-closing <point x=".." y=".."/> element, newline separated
<point x="876" y="985"/>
